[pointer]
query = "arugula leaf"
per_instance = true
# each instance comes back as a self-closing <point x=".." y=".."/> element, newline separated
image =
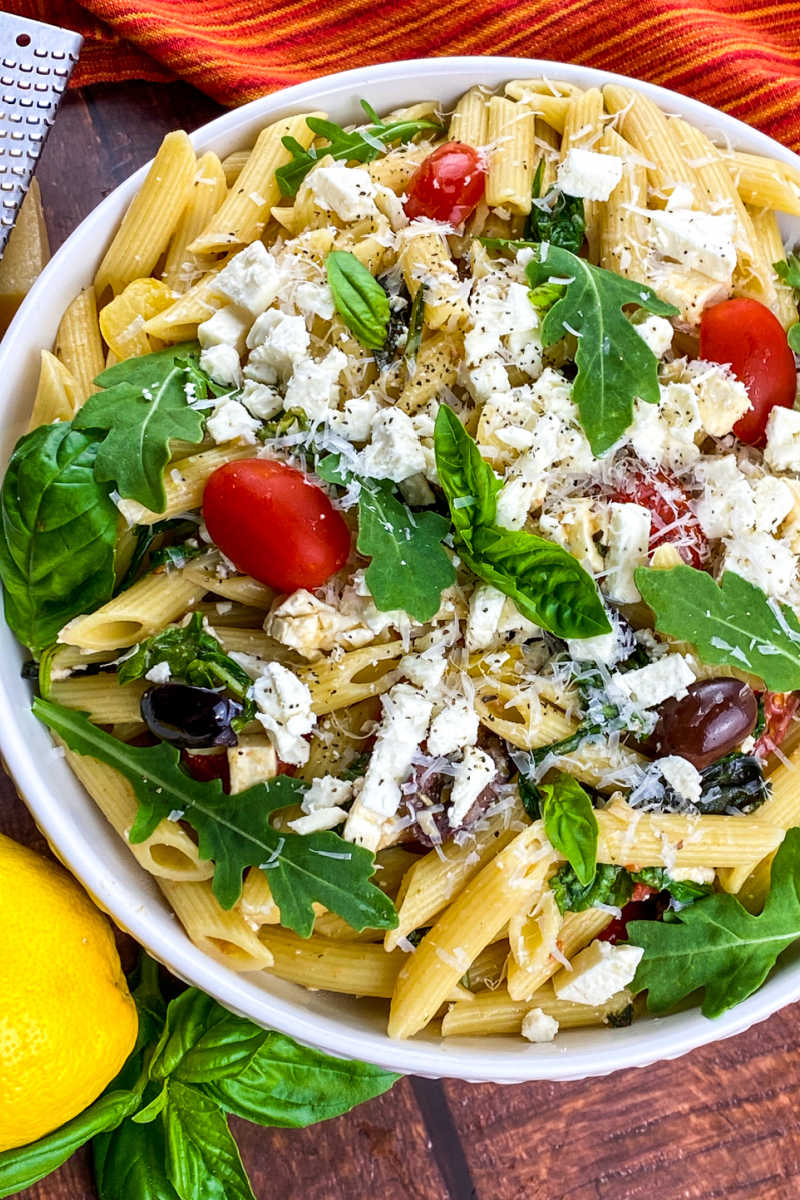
<point x="293" y="1086"/>
<point x="732" y="623"/>
<point x="58" y="531"/>
<point x="570" y="824"/>
<point x="556" y="218"/>
<point x="357" y="146"/>
<point x="195" y="656"/>
<point x="203" y="1042"/>
<point x="409" y="567"/>
<point x="203" y="1160"/>
<point x="546" y="583"/>
<point x="615" y="365"/>
<point x="143" y="409"/>
<point x="235" y="831"/>
<point x="717" y="945"/>
<point x="359" y="299"/>
<point x="789" y="270"/>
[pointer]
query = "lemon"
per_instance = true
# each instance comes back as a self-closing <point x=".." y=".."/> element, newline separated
<point x="67" y="1019"/>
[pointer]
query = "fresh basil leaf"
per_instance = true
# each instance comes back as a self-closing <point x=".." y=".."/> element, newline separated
<point x="235" y="831"/>
<point x="717" y="945"/>
<point x="144" y="409"/>
<point x="204" y="1041"/>
<point x="153" y="1109"/>
<point x="789" y="271"/>
<point x="608" y="885"/>
<point x="570" y="824"/>
<point x="291" y="1085"/>
<point x="130" y="1163"/>
<point x="409" y="568"/>
<point x="615" y="365"/>
<point x="732" y="623"/>
<point x="360" y="300"/>
<point x="355" y="146"/>
<point x="556" y="218"/>
<point x="203" y="1161"/>
<point x="530" y="796"/>
<point x="468" y="482"/>
<point x="58" y="531"/>
<point x="416" y="323"/>
<point x="793" y="337"/>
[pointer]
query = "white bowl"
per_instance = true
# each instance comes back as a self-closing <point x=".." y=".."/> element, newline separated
<point x="74" y="826"/>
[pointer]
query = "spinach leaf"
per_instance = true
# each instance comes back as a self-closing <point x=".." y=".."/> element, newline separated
<point x="141" y="411"/>
<point x="235" y="831"/>
<point x="203" y="1042"/>
<point x="556" y="218"/>
<point x="731" y="623"/>
<point x="789" y="271"/>
<point x="146" y="537"/>
<point x="608" y="885"/>
<point x="615" y="365"/>
<point x="357" y="146"/>
<point x="409" y="567"/>
<point x="685" y="891"/>
<point x="570" y="824"/>
<point x="546" y="583"/>
<point x="58" y="530"/>
<point x="360" y="300"/>
<point x="717" y="945"/>
<point x="203" y="1161"/>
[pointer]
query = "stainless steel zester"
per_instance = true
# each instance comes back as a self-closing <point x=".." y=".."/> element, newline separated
<point x="36" y="62"/>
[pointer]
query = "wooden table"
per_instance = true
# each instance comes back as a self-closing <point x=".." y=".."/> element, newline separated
<point x="720" y="1123"/>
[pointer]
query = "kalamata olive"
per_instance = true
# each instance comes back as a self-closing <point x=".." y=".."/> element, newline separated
<point x="708" y="722"/>
<point x="189" y="717"/>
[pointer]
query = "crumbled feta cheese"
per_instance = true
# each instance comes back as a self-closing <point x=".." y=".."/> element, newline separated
<point x="230" y="420"/>
<point x="690" y="291"/>
<point x="693" y="874"/>
<point x="656" y="332"/>
<point x="597" y="973"/>
<point x="310" y="626"/>
<point x="763" y="560"/>
<point x="228" y="326"/>
<point x="284" y="704"/>
<point x="603" y="648"/>
<point x="394" y="451"/>
<point x="159" y="673"/>
<point x="260" y="400"/>
<point x="354" y="422"/>
<point x="251" y="279"/>
<point x="474" y="773"/>
<point x="726" y="501"/>
<point x="773" y="500"/>
<point x="721" y="398"/>
<point x="783" y="439"/>
<point x="327" y="791"/>
<point x="425" y="670"/>
<point x="314" y="386"/>
<point x="681" y="775"/>
<point x="697" y="240"/>
<point x="347" y="191"/>
<point x="538" y="1026"/>
<point x="249" y="765"/>
<point x="649" y="686"/>
<point x="513" y="503"/>
<point x="455" y="727"/>
<point x="222" y="364"/>
<point x="589" y="175"/>
<point x="628" y="542"/>
<point x="278" y="341"/>
<point x="314" y="300"/>
<point x="485" y="610"/>
<point x="315" y="822"/>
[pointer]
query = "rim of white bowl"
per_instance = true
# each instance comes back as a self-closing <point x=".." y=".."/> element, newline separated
<point x="492" y="1059"/>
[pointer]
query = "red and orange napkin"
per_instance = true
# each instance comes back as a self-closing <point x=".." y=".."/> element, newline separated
<point x="739" y="55"/>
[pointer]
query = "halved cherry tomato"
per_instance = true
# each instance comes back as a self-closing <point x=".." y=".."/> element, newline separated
<point x="205" y="767"/>
<point x="671" y="517"/>
<point x="747" y="335"/>
<point x="448" y="185"/>
<point x="274" y="524"/>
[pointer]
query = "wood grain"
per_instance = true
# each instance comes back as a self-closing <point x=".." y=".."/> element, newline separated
<point x="719" y="1124"/>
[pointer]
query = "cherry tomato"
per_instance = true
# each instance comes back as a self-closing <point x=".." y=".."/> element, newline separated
<point x="205" y="767"/>
<point x="448" y="185"/>
<point x="274" y="524"/>
<point x="671" y="517"/>
<point x="745" y="334"/>
<point x="780" y="709"/>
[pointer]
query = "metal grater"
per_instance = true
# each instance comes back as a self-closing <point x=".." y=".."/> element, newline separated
<point x="35" y="66"/>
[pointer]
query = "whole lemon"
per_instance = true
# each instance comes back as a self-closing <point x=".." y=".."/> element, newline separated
<point x="67" y="1019"/>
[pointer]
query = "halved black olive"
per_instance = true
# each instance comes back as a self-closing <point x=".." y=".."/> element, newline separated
<point x="190" y="717"/>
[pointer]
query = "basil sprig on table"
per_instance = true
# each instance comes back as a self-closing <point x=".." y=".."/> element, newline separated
<point x="358" y="145"/>
<point x="732" y="623"/>
<point x="789" y="272"/>
<point x="546" y="583"/>
<point x="235" y="831"/>
<point x="359" y="299"/>
<point x="161" y="1130"/>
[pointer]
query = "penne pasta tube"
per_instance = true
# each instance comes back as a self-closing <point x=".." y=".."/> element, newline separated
<point x="241" y="589"/>
<point x="764" y="182"/>
<point x="222" y="934"/>
<point x="181" y="266"/>
<point x="470" y="120"/>
<point x="104" y="700"/>
<point x="141" y="610"/>
<point x="531" y="937"/>
<point x="370" y="671"/>
<point x="513" y="156"/>
<point x="184" y="483"/>
<point x="79" y="345"/>
<point x="58" y="393"/>
<point x="425" y="261"/>
<point x="575" y="931"/>
<point x="781" y="809"/>
<point x="123" y="321"/>
<point x="496" y="1012"/>
<point x="434" y="369"/>
<point x="646" y="128"/>
<point x="770" y="241"/>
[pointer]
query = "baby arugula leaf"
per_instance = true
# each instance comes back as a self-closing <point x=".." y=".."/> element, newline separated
<point x="409" y="568"/>
<point x="58" y="530"/>
<point x="615" y="365"/>
<point x="716" y="944"/>
<point x="359" y="145"/>
<point x="570" y="824"/>
<point x="141" y="411"/>
<point x="732" y="623"/>
<point x="235" y="831"/>
<point x="789" y="271"/>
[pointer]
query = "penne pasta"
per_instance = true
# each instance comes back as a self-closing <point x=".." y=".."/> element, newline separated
<point x="79" y="345"/>
<point x="181" y="266"/>
<point x="224" y="935"/>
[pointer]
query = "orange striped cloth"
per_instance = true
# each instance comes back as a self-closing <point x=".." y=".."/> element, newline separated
<point x="740" y="55"/>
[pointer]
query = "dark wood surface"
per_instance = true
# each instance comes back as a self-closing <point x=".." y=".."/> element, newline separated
<point x="720" y="1123"/>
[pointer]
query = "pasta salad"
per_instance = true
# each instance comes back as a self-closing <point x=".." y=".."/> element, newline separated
<point x="406" y="538"/>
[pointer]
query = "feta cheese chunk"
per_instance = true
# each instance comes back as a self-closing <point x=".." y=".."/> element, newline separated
<point x="395" y="451"/>
<point x="251" y="279"/>
<point x="454" y="728"/>
<point x="354" y="422"/>
<point x="589" y="175"/>
<point x="284" y="710"/>
<point x="475" y="772"/>
<point x="656" y="332"/>
<point x="260" y="400"/>
<point x="763" y="560"/>
<point x="699" y="241"/>
<point x="628" y="542"/>
<point x="783" y="440"/>
<point x="221" y="362"/>
<point x="278" y="341"/>
<point x="311" y="627"/>
<point x="159" y="673"/>
<point x="327" y="791"/>
<point x="347" y="191"/>
<point x="681" y="775"/>
<point x="314" y="386"/>
<point x="314" y="300"/>
<point x="425" y="670"/>
<point x="597" y="973"/>
<point x="249" y="765"/>
<point x="660" y="680"/>
<point x="485" y="610"/>
<point x="231" y="420"/>
<point x="721" y="398"/>
<point x="537" y="1026"/>
<point x="321" y="819"/>
<point x="228" y="326"/>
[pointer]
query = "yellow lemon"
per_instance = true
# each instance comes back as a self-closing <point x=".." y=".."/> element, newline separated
<point x="67" y="1019"/>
